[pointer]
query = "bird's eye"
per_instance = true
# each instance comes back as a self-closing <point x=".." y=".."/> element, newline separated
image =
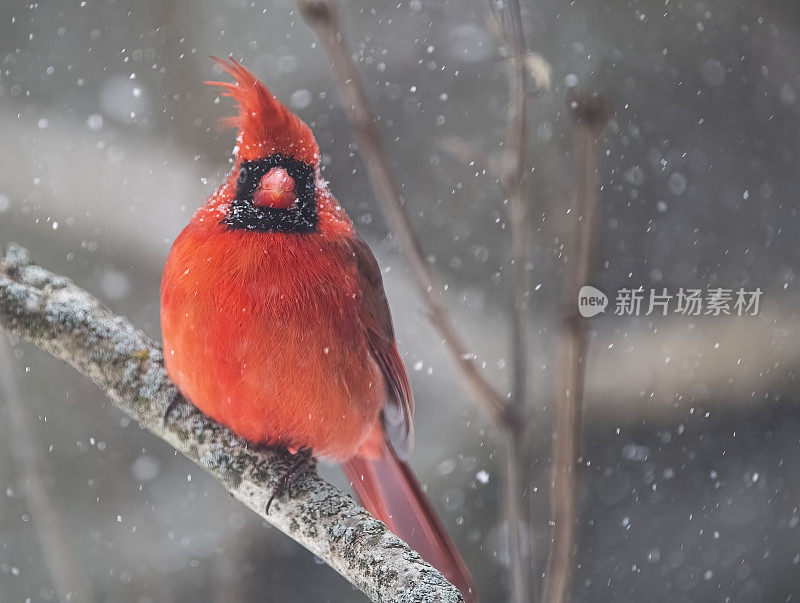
<point x="242" y="176"/>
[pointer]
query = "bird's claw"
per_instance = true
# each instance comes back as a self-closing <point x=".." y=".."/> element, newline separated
<point x="284" y="484"/>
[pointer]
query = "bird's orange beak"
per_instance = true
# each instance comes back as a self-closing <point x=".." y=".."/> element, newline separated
<point x="275" y="190"/>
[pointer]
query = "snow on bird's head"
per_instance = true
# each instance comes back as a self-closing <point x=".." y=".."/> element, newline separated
<point x="265" y="126"/>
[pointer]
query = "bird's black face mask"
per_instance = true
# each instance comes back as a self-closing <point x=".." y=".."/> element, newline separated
<point x="300" y="218"/>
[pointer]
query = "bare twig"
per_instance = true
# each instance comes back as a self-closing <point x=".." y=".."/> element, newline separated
<point x="51" y="312"/>
<point x="515" y="177"/>
<point x="508" y="26"/>
<point x="590" y="114"/>
<point x="69" y="583"/>
<point x="517" y="521"/>
<point x="323" y="17"/>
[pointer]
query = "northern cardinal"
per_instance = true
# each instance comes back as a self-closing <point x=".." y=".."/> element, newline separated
<point x="275" y="322"/>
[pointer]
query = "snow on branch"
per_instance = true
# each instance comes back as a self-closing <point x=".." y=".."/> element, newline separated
<point x="49" y="311"/>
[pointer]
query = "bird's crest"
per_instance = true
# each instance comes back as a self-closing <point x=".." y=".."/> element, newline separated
<point x="265" y="126"/>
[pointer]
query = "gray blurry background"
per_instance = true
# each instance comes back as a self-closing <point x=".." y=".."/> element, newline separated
<point x="691" y="480"/>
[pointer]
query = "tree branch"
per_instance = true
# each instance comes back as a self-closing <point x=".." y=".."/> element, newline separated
<point x="59" y="317"/>
<point x="509" y="28"/>
<point x="590" y="114"/>
<point x="323" y="17"/>
<point x="516" y="170"/>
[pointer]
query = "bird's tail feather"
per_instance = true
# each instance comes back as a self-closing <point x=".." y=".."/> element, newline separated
<point x="389" y="490"/>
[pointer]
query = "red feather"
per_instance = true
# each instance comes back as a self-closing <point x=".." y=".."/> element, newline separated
<point x="265" y="125"/>
<point x="388" y="488"/>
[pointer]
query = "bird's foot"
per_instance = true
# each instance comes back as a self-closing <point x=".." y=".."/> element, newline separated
<point x="284" y="485"/>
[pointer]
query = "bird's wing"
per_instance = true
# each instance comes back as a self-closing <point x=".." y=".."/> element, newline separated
<point x="377" y="320"/>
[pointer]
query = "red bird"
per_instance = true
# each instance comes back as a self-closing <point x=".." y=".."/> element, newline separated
<point x="275" y="321"/>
